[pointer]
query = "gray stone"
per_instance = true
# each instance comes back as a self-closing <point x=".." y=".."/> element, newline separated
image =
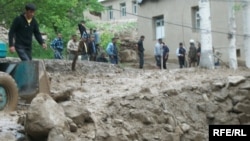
<point x="242" y="108"/>
<point x="56" y="134"/>
<point x="128" y="55"/>
<point x="245" y="86"/>
<point x="73" y="127"/>
<point x="170" y="92"/>
<point x="219" y="84"/>
<point x="168" y="128"/>
<point x="63" y="95"/>
<point x="222" y="95"/>
<point x="201" y="107"/>
<point x="43" y="115"/>
<point x="185" y="127"/>
<point x="238" y="98"/>
<point x="244" y="118"/>
<point x="77" y="112"/>
<point x="211" y="107"/>
<point x="235" y="80"/>
<point x="210" y="116"/>
<point x="143" y="116"/>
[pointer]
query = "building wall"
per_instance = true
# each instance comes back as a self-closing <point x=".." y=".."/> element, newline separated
<point x="116" y="10"/>
<point x="178" y="24"/>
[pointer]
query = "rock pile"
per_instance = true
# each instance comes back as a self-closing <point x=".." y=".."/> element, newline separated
<point x="114" y="104"/>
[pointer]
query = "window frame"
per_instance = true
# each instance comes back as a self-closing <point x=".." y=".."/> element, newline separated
<point x="195" y="18"/>
<point x="159" y="26"/>
<point x="123" y="9"/>
<point x="110" y="13"/>
<point x="134" y="7"/>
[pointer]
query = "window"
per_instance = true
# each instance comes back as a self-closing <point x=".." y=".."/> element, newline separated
<point x="123" y="9"/>
<point x="195" y="18"/>
<point x="159" y="27"/>
<point x="134" y="6"/>
<point x="238" y="52"/>
<point x="110" y="13"/>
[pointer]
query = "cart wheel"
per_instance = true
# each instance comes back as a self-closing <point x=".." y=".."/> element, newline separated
<point x="8" y="93"/>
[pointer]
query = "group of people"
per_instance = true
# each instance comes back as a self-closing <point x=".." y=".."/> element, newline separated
<point x="193" y="54"/>
<point x="25" y="25"/>
<point x="87" y="47"/>
<point x="161" y="54"/>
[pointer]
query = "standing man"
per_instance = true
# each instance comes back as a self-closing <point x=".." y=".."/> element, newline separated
<point x="97" y="37"/>
<point x="140" y="48"/>
<point x="112" y="51"/>
<point x="82" y="29"/>
<point x="192" y="54"/>
<point x="198" y="53"/>
<point x="22" y="29"/>
<point x="57" y="46"/>
<point x="72" y="47"/>
<point x="83" y="48"/>
<point x="181" y="52"/>
<point x="93" y="50"/>
<point x="165" y="53"/>
<point x="157" y="53"/>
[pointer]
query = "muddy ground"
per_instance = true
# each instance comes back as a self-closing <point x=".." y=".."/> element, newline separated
<point x="131" y="104"/>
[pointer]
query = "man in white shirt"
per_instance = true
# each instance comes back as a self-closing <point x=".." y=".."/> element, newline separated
<point x="72" y="47"/>
<point x="157" y="52"/>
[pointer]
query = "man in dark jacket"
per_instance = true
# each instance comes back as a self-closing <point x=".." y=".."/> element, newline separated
<point x="22" y="30"/>
<point x="181" y="52"/>
<point x="82" y="29"/>
<point x="93" y="50"/>
<point x="141" y="51"/>
<point x="165" y="50"/>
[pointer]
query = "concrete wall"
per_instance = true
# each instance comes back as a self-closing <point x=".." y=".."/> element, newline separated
<point x="178" y="24"/>
<point x="116" y="10"/>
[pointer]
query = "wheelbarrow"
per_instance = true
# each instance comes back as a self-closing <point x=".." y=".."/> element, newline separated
<point x="21" y="79"/>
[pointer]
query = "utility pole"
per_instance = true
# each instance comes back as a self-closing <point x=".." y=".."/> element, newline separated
<point x="246" y="31"/>
<point x="207" y="58"/>
<point x="231" y="36"/>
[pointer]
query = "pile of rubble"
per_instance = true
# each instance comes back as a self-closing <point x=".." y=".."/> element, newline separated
<point x="103" y="102"/>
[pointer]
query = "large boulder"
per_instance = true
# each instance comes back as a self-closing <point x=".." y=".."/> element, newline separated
<point x="43" y="115"/>
<point x="128" y="55"/>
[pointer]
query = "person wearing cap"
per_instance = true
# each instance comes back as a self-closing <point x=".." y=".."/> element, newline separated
<point x="192" y="54"/>
<point x="112" y="51"/>
<point x="22" y="29"/>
